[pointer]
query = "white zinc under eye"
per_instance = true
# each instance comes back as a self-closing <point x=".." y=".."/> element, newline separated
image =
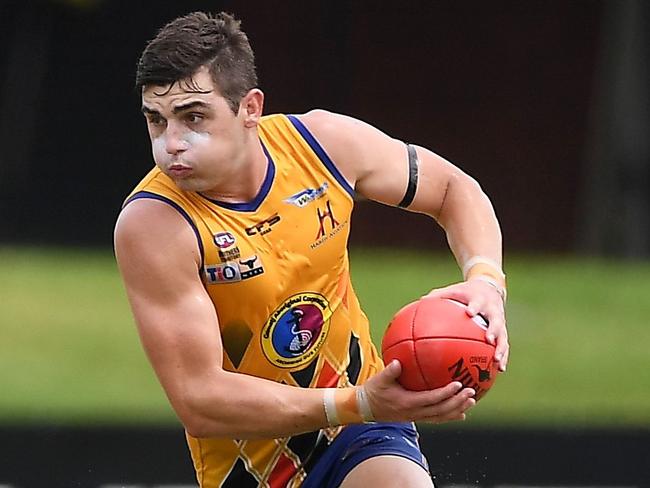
<point x="190" y="138"/>
<point x="196" y="139"/>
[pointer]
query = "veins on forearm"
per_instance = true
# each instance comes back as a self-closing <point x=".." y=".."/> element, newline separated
<point x="442" y="203"/>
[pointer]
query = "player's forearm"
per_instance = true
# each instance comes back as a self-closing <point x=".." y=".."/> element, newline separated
<point x="246" y="407"/>
<point x="469" y="221"/>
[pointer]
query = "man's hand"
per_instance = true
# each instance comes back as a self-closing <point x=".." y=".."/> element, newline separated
<point x="390" y="402"/>
<point x="482" y="298"/>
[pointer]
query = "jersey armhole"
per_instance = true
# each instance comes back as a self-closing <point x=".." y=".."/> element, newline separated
<point x="320" y="152"/>
<point x="154" y="196"/>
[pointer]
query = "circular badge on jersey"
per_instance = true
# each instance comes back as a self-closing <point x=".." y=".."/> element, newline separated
<point x="296" y="330"/>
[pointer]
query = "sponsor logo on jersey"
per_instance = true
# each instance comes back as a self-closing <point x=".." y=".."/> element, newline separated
<point x="233" y="271"/>
<point x="263" y="227"/>
<point x="227" y="255"/>
<point x="224" y="240"/>
<point x="250" y="267"/>
<point x="328" y="226"/>
<point x="323" y="216"/>
<point x="302" y="198"/>
<point x="295" y="332"/>
<point x="226" y="247"/>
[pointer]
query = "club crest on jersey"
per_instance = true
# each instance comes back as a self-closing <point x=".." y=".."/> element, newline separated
<point x="302" y="198"/>
<point x="233" y="271"/>
<point x="295" y="332"/>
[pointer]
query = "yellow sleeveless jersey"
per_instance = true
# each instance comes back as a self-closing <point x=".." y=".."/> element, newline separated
<point x="277" y="271"/>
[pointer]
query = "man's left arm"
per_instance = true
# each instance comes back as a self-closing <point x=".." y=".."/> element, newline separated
<point x="380" y="168"/>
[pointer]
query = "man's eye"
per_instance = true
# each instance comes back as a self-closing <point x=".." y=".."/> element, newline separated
<point x="194" y="118"/>
<point x="157" y="121"/>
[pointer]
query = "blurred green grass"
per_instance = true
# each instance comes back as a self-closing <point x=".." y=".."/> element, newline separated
<point x="69" y="352"/>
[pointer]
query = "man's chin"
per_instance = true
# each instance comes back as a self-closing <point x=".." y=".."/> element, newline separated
<point x="188" y="184"/>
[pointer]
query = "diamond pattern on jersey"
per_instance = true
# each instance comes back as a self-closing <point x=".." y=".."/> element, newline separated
<point x="235" y="337"/>
<point x="309" y="448"/>
<point x="328" y="377"/>
<point x="282" y="472"/>
<point x="305" y="375"/>
<point x="239" y="477"/>
<point x="354" y="367"/>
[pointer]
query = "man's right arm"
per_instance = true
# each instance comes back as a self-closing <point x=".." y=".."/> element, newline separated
<point x="159" y="259"/>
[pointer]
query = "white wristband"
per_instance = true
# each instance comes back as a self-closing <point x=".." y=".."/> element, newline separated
<point x="364" y="405"/>
<point x="330" y="407"/>
<point x="474" y="260"/>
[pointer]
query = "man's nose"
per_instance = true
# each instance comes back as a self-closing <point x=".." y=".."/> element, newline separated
<point x="175" y="142"/>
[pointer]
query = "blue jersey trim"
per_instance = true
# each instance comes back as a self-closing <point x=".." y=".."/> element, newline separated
<point x="181" y="210"/>
<point x="254" y="204"/>
<point x="320" y="152"/>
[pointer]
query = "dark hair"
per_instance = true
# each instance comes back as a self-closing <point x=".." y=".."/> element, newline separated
<point x="195" y="40"/>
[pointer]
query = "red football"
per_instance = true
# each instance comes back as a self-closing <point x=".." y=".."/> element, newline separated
<point x="437" y="342"/>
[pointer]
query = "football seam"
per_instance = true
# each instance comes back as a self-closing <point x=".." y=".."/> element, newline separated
<point x="451" y="337"/>
<point x="415" y="351"/>
<point x="424" y="338"/>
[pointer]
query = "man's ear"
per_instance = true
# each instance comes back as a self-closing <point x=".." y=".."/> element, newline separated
<point x="251" y="106"/>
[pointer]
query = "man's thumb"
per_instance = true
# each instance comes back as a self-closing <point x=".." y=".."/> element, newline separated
<point x="393" y="369"/>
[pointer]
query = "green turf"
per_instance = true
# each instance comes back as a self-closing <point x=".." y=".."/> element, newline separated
<point x="69" y="352"/>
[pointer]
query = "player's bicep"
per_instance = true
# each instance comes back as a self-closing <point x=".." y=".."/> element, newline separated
<point x="412" y="177"/>
<point x="379" y="166"/>
<point x="175" y="317"/>
<point x="430" y="181"/>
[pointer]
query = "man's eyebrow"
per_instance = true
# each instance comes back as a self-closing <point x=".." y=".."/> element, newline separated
<point x="190" y="105"/>
<point x="147" y="110"/>
<point x="179" y="108"/>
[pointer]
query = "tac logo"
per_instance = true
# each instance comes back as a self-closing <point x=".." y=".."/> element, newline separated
<point x="233" y="271"/>
<point x="263" y="227"/>
<point x="222" y="273"/>
<point x="296" y="330"/>
<point x="224" y="240"/>
<point x="302" y="198"/>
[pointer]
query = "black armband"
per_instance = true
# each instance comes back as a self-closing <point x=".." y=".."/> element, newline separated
<point x="413" y="177"/>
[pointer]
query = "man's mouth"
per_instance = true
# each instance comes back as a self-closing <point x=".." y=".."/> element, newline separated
<point x="179" y="170"/>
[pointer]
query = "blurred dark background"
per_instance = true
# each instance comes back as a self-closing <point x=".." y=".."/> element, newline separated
<point x="544" y="102"/>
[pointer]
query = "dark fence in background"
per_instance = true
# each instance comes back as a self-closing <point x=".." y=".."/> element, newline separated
<point x="60" y="457"/>
<point x="501" y="88"/>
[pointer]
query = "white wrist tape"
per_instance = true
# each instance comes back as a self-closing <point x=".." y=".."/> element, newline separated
<point x="474" y="260"/>
<point x="346" y="406"/>
<point x="364" y="405"/>
<point x="330" y="407"/>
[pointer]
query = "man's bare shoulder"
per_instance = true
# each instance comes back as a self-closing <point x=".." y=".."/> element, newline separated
<point x="355" y="146"/>
<point x="324" y="123"/>
<point x="146" y="215"/>
<point x="344" y="139"/>
<point x="147" y="227"/>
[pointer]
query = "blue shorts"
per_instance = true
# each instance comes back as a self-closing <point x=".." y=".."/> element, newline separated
<point x="356" y="443"/>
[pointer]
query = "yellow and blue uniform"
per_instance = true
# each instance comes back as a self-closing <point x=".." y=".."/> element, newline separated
<point x="277" y="271"/>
